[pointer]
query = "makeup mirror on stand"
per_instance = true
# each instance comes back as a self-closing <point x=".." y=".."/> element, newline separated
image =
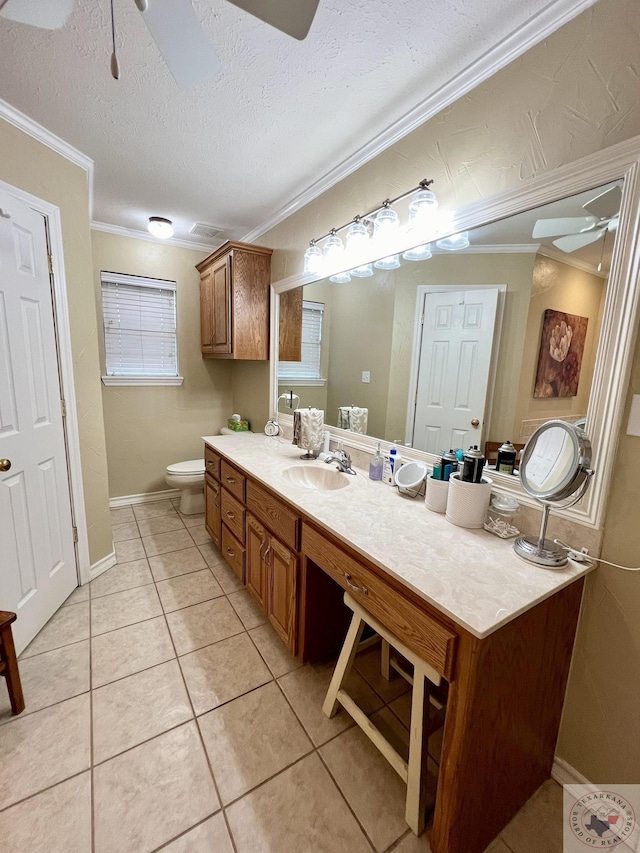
<point x="555" y="466"/>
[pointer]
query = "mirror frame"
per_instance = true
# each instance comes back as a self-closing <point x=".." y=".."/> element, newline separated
<point x="619" y="323"/>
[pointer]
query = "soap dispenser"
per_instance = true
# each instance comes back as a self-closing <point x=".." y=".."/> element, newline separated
<point x="375" y="466"/>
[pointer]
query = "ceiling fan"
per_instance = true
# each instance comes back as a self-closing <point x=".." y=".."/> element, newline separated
<point x="175" y="28"/>
<point x="575" y="232"/>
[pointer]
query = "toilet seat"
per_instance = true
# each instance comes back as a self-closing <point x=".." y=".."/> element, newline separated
<point x="186" y="469"/>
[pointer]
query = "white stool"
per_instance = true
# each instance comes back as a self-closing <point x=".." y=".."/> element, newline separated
<point x="424" y="675"/>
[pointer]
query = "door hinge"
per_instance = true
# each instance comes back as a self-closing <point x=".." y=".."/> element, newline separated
<point x="50" y="257"/>
<point x="75" y="534"/>
<point x="63" y="406"/>
<point x="422" y="320"/>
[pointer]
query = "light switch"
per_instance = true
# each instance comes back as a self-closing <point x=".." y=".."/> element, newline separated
<point x="366" y="376"/>
<point x="633" y="427"/>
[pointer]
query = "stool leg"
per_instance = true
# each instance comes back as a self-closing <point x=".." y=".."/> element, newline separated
<point x="416" y="804"/>
<point x="11" y="673"/>
<point x="343" y="666"/>
<point x="385" y="661"/>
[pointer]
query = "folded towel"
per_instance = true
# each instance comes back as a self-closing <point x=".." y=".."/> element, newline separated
<point x="353" y="418"/>
<point x="296" y="428"/>
<point x="311" y="428"/>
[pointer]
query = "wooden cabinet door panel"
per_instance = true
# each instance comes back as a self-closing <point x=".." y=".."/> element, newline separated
<point x="257" y="541"/>
<point x="206" y="313"/>
<point x="221" y="306"/>
<point x="212" y="509"/>
<point x="233" y="552"/>
<point x="281" y="603"/>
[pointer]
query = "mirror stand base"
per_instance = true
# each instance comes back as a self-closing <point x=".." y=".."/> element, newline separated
<point x="541" y="552"/>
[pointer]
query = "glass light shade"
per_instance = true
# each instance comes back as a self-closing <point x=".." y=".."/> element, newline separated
<point x="422" y="209"/>
<point x="362" y="272"/>
<point x="313" y="260"/>
<point x="333" y="247"/>
<point x="418" y="253"/>
<point x="454" y="241"/>
<point x="387" y="222"/>
<point x="357" y="237"/>
<point x="160" y="227"/>
<point x="340" y="278"/>
<point x="391" y="262"/>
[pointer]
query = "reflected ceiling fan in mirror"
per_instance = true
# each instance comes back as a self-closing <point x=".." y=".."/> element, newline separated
<point x="175" y="28"/>
<point x="575" y="232"/>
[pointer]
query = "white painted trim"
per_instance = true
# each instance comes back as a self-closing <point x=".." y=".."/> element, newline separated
<point x="619" y="322"/>
<point x="565" y="774"/>
<point x="102" y="565"/>
<point x="287" y="381"/>
<point x="65" y="357"/>
<point x="144" y="498"/>
<point x="557" y="255"/>
<point x="491" y="249"/>
<point x="536" y="29"/>
<point x="142" y="380"/>
<point x="121" y="231"/>
<point x="41" y="134"/>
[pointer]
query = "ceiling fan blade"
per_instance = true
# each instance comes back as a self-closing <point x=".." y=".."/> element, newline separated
<point x="176" y="30"/>
<point x="605" y="205"/>
<point x="566" y="225"/>
<point x="292" y="17"/>
<point x="573" y="242"/>
<point x="46" y="14"/>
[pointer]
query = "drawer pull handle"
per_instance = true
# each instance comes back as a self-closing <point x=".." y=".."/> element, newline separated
<point x="230" y="552"/>
<point x="230" y="514"/>
<point x="231" y="480"/>
<point x="266" y="555"/>
<point x="210" y="464"/>
<point x="354" y="586"/>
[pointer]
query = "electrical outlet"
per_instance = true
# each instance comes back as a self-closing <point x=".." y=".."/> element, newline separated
<point x="366" y="376"/>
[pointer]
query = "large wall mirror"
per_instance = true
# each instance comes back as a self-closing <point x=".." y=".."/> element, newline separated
<point x="483" y="343"/>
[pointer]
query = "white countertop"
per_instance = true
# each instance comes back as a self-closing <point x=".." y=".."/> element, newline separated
<point x="470" y="575"/>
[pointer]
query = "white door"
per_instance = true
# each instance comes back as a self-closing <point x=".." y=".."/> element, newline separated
<point x="37" y="566"/>
<point x="453" y="368"/>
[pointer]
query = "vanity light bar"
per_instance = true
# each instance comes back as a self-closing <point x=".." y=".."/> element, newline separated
<point x="424" y="184"/>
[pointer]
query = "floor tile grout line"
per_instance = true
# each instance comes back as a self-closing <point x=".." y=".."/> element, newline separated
<point x="55" y="648"/>
<point x="202" y="744"/>
<point x="184" y="832"/>
<point x="44" y="790"/>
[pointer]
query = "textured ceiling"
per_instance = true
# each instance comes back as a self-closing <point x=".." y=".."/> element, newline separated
<point x="233" y="150"/>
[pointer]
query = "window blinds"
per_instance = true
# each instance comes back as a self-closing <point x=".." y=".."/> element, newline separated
<point x="139" y="318"/>
<point x="309" y="367"/>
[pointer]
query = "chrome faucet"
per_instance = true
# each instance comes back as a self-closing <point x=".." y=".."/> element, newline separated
<point x="343" y="459"/>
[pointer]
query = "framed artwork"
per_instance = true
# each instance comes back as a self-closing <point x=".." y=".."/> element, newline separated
<point x="560" y="357"/>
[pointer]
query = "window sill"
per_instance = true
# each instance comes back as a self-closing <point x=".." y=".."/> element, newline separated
<point x="301" y="381"/>
<point x="142" y="380"/>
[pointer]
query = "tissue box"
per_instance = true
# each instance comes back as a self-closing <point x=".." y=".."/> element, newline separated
<point x="238" y="426"/>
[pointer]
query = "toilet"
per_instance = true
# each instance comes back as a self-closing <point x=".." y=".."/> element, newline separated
<point x="188" y="477"/>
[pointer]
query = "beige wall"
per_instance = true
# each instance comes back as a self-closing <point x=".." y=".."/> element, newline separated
<point x="149" y="427"/>
<point x="574" y="94"/>
<point x="562" y="288"/>
<point x="36" y="169"/>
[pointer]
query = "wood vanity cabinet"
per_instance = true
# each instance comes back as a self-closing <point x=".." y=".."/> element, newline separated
<point x="212" y="494"/>
<point x="234" y="302"/>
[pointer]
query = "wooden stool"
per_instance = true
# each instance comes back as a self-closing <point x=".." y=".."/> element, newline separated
<point x="424" y="675"/>
<point x="9" y="662"/>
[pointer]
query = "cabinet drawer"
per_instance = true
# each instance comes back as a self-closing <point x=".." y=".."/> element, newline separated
<point x="232" y="480"/>
<point x="233" y="515"/>
<point x="427" y="638"/>
<point x="233" y="552"/>
<point x="212" y="462"/>
<point x="280" y="520"/>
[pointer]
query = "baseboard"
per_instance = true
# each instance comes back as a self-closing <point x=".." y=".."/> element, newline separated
<point x="102" y="565"/>
<point x="146" y="498"/>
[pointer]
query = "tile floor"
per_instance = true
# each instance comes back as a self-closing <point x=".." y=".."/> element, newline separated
<point x="163" y="712"/>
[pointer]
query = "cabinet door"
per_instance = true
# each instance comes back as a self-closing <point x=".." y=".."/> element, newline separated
<point x="281" y="598"/>
<point x="212" y="509"/>
<point x="221" y="305"/>
<point x="257" y="543"/>
<point x="206" y="313"/>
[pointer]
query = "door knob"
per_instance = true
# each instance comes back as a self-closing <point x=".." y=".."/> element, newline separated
<point x="475" y="422"/>
<point x="5" y="464"/>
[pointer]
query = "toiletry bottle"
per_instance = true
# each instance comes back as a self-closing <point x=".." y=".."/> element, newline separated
<point x="449" y="463"/>
<point x="376" y="465"/>
<point x="390" y="462"/>
<point x="506" y="461"/>
<point x="472" y="465"/>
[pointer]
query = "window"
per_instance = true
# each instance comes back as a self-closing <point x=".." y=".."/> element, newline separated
<point x="307" y="371"/>
<point x="139" y="318"/>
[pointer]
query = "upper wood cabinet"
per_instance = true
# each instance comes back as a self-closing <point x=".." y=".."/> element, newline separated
<point x="234" y="302"/>
<point x="290" y="325"/>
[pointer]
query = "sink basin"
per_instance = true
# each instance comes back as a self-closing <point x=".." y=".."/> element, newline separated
<point x="320" y="479"/>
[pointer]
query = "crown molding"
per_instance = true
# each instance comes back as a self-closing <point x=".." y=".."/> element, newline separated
<point x="120" y="231"/>
<point x="563" y="258"/>
<point x="27" y="125"/>
<point x="491" y="249"/>
<point x="536" y="29"/>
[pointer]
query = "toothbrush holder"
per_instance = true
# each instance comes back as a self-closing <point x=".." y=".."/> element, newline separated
<point x="436" y="495"/>
<point x="467" y="502"/>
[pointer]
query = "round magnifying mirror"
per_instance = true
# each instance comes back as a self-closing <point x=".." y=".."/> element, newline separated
<point x="555" y="465"/>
